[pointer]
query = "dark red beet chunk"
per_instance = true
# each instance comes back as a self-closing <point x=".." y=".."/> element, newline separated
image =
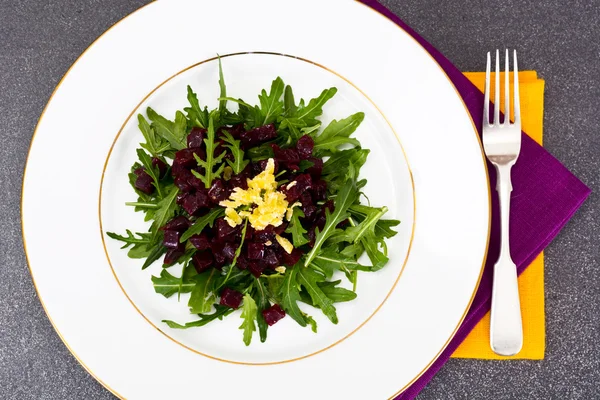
<point x="303" y="183"/>
<point x="235" y="130"/>
<point x="190" y="204"/>
<point x="291" y="259"/>
<point x="255" y="250"/>
<point x="143" y="183"/>
<point x="173" y="255"/>
<point x="289" y="158"/>
<point x="202" y="198"/>
<point x="186" y="158"/>
<point x="196" y="137"/>
<point x="317" y="168"/>
<point x="305" y="146"/>
<point x="270" y="259"/>
<point x="273" y="314"/>
<point x="202" y="261"/>
<point x="231" y="298"/>
<point x="139" y="171"/>
<point x="242" y="262"/>
<point x="182" y="183"/>
<point x="217" y="251"/>
<point x="178" y="224"/>
<point x="218" y="192"/>
<point x="200" y="241"/>
<point x="265" y="235"/>
<point x="225" y="232"/>
<point x="258" y="135"/>
<point x="311" y="237"/>
<point x="171" y="239"/>
<point x="256" y="268"/>
<point x="229" y="250"/>
<point x="319" y="190"/>
<point x="162" y="167"/>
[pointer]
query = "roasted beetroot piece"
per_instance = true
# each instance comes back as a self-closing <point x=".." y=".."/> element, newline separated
<point x="139" y="171"/>
<point x="181" y="181"/>
<point x="194" y="182"/>
<point x="265" y="235"/>
<point x="229" y="251"/>
<point x="270" y="258"/>
<point x="186" y="158"/>
<point x="319" y="190"/>
<point x="240" y="180"/>
<point x="281" y="228"/>
<point x="256" y="268"/>
<point x="255" y="250"/>
<point x="202" y="261"/>
<point x="317" y="168"/>
<point x="242" y="262"/>
<point x="143" y="182"/>
<point x="171" y="239"/>
<point x="196" y="137"/>
<point x="202" y="198"/>
<point x="225" y="232"/>
<point x="258" y="135"/>
<point x="162" y="167"/>
<point x="291" y="259"/>
<point x="231" y="298"/>
<point x="178" y="224"/>
<point x="293" y="190"/>
<point x="288" y="158"/>
<point x="218" y="192"/>
<point x="190" y="204"/>
<point x="328" y="206"/>
<point x="217" y="251"/>
<point x="273" y="314"/>
<point x="305" y="146"/>
<point x="200" y="241"/>
<point x="173" y="255"/>
<point x="235" y="130"/>
<point x="311" y="234"/>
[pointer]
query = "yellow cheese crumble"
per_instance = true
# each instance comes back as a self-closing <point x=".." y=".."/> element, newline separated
<point x="261" y="203"/>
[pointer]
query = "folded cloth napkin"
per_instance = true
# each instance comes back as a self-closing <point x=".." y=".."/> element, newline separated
<point x="544" y="198"/>
<point x="531" y="281"/>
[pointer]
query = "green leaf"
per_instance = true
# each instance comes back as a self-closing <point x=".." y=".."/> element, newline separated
<point x="173" y="132"/>
<point x="261" y="152"/>
<point x="333" y="260"/>
<point x="165" y="212"/>
<point x="211" y="161"/>
<point x="262" y="302"/>
<point x="130" y="239"/>
<point x="150" y="170"/>
<point x="336" y="294"/>
<point x="372" y="215"/>
<point x="238" y="163"/>
<point x="167" y="285"/>
<point x="290" y="295"/>
<point x="202" y="222"/>
<point x="344" y="199"/>
<point x="220" y="312"/>
<point x="340" y="165"/>
<point x="155" y="144"/>
<point x="295" y="228"/>
<point x="198" y="116"/>
<point x="311" y="322"/>
<point x="378" y="258"/>
<point x="223" y="94"/>
<point x="289" y="105"/>
<point x="271" y="105"/>
<point x="309" y="113"/>
<point x="338" y="133"/>
<point x="274" y="285"/>
<point x="203" y="297"/>
<point x="249" y="311"/>
<point x="309" y="280"/>
<point x="154" y="253"/>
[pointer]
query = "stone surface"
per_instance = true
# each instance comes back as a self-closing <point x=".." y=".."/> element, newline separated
<point x="561" y="40"/>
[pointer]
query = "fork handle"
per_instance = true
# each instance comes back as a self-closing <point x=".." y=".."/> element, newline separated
<point x="506" y="330"/>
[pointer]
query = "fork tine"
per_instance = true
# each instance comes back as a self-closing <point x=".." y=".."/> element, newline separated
<point x="497" y="90"/>
<point x="506" y="91"/>
<point x="486" y="101"/>
<point x="517" y="101"/>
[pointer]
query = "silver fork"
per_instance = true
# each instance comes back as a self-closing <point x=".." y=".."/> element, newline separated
<point x="502" y="143"/>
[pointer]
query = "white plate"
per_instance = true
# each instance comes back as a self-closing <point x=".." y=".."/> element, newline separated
<point x="404" y="315"/>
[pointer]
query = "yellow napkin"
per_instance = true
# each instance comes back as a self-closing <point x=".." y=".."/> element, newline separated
<point x="531" y="281"/>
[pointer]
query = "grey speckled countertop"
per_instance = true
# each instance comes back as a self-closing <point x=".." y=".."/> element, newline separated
<point x="39" y="39"/>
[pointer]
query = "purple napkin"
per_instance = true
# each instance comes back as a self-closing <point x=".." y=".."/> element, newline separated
<point x="544" y="198"/>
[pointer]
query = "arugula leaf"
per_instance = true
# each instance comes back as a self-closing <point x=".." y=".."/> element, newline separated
<point x="220" y="312"/>
<point x="344" y="199"/>
<point x="202" y="222"/>
<point x="238" y="164"/>
<point x="262" y="301"/>
<point x="274" y="285"/>
<point x="150" y="170"/>
<point x="367" y="225"/>
<point x="338" y="133"/>
<point x="261" y="152"/>
<point x="155" y="144"/>
<point x="238" y="251"/>
<point x="383" y="227"/>
<point x="333" y="260"/>
<point x="271" y="105"/>
<point x="378" y="258"/>
<point x="130" y="239"/>
<point x="309" y="113"/>
<point x="173" y="132"/>
<point x="154" y="253"/>
<point x="309" y="280"/>
<point x="340" y="165"/>
<point x="198" y="116"/>
<point x="203" y="297"/>
<point x="249" y="311"/>
<point x="336" y="294"/>
<point x="167" y="285"/>
<point x="290" y="295"/>
<point x="295" y="228"/>
<point x="311" y="322"/>
<point x="211" y="161"/>
<point x="289" y="105"/>
<point x="237" y="279"/>
<point x="223" y="94"/>
<point x="165" y="211"/>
